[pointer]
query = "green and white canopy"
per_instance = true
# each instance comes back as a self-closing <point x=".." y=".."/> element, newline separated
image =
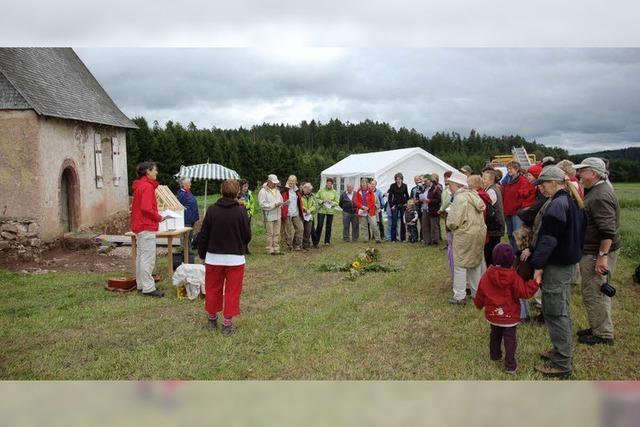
<point x="207" y="171"/>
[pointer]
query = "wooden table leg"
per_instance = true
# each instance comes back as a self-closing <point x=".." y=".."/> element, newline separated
<point x="170" y="254"/>
<point x="134" y="254"/>
<point x="185" y="247"/>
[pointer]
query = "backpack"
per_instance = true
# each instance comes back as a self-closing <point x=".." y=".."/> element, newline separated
<point x="493" y="223"/>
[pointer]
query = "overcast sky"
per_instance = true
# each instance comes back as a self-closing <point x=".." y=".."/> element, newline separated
<point x="579" y="99"/>
<point x="395" y="61"/>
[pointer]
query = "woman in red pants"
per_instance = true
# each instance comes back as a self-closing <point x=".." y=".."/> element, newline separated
<point x="223" y="240"/>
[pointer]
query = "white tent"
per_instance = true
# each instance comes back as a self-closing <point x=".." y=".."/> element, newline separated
<point x="383" y="165"/>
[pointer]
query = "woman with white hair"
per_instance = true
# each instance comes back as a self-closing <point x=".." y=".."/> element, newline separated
<point x="466" y="222"/>
<point x="189" y="201"/>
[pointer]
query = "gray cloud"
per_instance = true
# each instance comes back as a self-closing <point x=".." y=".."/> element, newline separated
<point x="355" y="23"/>
<point x="579" y="99"/>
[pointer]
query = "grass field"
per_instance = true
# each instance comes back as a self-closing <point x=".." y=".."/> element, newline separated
<point x="297" y="323"/>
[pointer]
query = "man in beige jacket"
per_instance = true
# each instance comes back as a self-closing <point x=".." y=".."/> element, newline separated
<point x="466" y="222"/>
<point x="270" y="201"/>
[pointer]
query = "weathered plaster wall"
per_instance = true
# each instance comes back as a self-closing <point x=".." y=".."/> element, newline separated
<point x="20" y="185"/>
<point x="65" y="142"/>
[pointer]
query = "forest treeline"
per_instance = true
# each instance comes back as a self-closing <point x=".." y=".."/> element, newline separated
<point x="304" y="149"/>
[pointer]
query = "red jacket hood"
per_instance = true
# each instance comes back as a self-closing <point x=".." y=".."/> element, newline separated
<point x="499" y="292"/>
<point x="501" y="277"/>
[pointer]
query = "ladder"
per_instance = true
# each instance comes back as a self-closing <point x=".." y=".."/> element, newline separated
<point x="520" y="155"/>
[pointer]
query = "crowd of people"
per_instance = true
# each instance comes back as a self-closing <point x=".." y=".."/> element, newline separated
<point x="559" y="218"/>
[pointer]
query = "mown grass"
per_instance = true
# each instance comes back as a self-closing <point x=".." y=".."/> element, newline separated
<point x="297" y="323"/>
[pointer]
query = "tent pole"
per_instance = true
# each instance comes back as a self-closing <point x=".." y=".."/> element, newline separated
<point x="204" y="210"/>
<point x="206" y="180"/>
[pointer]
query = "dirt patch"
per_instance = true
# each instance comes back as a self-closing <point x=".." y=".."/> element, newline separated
<point x="91" y="260"/>
<point x="118" y="223"/>
<point x="61" y="260"/>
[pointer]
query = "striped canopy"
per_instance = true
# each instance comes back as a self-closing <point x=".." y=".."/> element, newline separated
<point x="207" y="171"/>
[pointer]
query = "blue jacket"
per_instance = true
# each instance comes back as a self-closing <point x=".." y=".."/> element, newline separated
<point x="561" y="233"/>
<point x="190" y="203"/>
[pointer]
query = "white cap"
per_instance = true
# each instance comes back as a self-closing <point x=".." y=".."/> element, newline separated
<point x="456" y="180"/>
<point x="273" y="179"/>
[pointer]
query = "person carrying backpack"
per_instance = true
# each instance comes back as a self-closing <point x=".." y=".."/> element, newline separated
<point x="495" y="213"/>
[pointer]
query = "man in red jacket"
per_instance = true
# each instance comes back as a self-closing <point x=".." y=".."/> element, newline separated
<point x="144" y="222"/>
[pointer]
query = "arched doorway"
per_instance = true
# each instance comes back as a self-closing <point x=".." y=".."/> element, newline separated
<point x="69" y="198"/>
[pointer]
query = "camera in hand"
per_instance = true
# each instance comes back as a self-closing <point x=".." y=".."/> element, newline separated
<point x="606" y="288"/>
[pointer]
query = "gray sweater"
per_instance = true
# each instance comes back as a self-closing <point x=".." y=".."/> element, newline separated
<point x="603" y="217"/>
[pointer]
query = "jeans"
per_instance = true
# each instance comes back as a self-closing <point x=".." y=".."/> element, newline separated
<point x="397" y="214"/>
<point x="381" y="224"/>
<point x="513" y="224"/>
<point x="412" y="230"/>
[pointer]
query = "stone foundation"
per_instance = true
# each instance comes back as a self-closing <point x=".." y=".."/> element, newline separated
<point x="19" y="239"/>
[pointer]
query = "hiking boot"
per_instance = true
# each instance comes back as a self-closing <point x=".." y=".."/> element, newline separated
<point x="546" y="355"/>
<point x="550" y="371"/>
<point x="593" y="339"/>
<point x="212" y="324"/>
<point x="157" y="293"/>
<point x="227" y="330"/>
<point x="584" y="332"/>
<point x="510" y="372"/>
<point x="454" y="301"/>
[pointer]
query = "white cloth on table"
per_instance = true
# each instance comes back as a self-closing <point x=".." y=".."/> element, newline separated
<point x="191" y="276"/>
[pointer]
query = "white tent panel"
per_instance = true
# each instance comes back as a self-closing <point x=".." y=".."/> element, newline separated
<point x="383" y="165"/>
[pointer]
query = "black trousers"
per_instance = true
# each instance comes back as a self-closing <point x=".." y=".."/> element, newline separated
<point x="327" y="232"/>
<point x="488" y="249"/>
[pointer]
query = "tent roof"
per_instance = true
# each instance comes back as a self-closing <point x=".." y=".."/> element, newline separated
<point x="368" y="162"/>
<point x="372" y="163"/>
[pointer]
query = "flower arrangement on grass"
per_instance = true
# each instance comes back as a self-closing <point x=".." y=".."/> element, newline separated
<point x="365" y="262"/>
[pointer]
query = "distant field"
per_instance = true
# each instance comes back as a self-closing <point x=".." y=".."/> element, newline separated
<point x="629" y="197"/>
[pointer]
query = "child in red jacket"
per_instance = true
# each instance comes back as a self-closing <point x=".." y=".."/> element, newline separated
<point x="499" y="292"/>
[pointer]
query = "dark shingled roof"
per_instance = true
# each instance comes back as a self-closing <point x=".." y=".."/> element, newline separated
<point x="55" y="82"/>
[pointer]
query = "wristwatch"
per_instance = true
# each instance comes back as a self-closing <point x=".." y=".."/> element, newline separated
<point x="601" y="254"/>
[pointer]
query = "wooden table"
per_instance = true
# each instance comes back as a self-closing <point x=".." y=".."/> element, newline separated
<point x="182" y="232"/>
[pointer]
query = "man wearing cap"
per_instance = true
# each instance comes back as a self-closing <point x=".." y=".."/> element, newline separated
<point x="557" y="250"/>
<point x="270" y="201"/>
<point x="548" y="161"/>
<point x="600" y="249"/>
<point x="466" y="170"/>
